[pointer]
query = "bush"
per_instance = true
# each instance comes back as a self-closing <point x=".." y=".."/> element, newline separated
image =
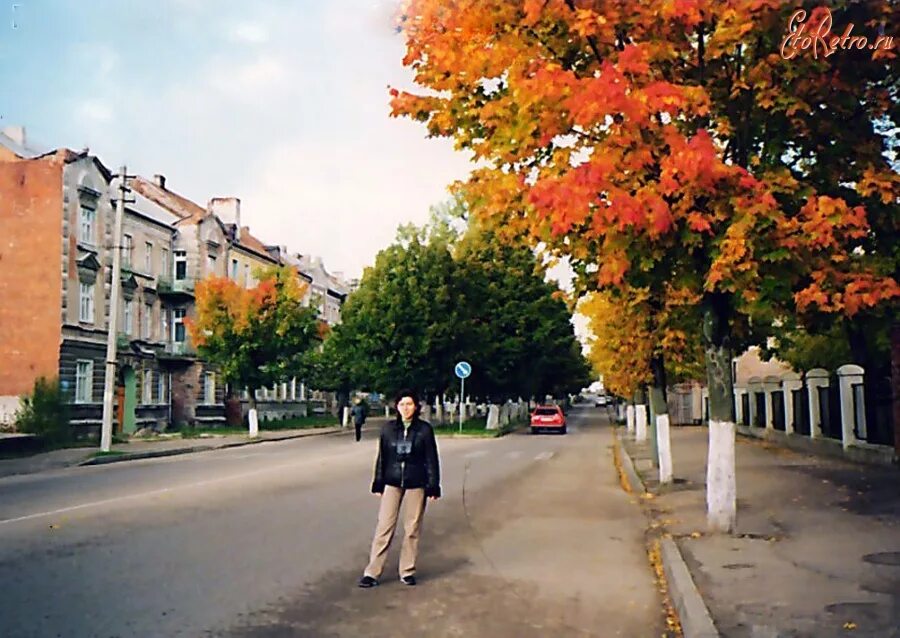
<point x="45" y="412"/>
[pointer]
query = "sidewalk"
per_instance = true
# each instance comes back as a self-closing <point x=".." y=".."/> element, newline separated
<point x="140" y="449"/>
<point x="817" y="549"/>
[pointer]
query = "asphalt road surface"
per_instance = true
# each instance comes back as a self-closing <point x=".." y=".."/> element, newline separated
<point x="533" y="537"/>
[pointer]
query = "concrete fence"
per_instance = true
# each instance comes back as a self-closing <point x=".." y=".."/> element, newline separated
<point x="818" y="407"/>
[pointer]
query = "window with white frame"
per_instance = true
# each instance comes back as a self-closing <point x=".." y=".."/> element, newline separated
<point x="86" y="226"/>
<point x="178" y="316"/>
<point x="84" y="381"/>
<point x="162" y="387"/>
<point x="127" y="250"/>
<point x="147" y="390"/>
<point x="128" y="324"/>
<point x="86" y="303"/>
<point x="146" y="319"/>
<point x="209" y="388"/>
<point x="164" y="266"/>
<point x="148" y="257"/>
<point x="235" y="267"/>
<point x="247" y="277"/>
<point x="164" y="324"/>
<point x="180" y="264"/>
<point x="211" y="264"/>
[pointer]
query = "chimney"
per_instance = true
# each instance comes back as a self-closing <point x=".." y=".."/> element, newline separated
<point x="228" y="210"/>
<point x="16" y="134"/>
<point x="160" y="180"/>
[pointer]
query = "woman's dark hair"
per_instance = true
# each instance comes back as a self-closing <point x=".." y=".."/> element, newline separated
<point x="409" y="392"/>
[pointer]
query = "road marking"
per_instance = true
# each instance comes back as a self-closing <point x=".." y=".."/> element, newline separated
<point x="544" y="456"/>
<point x="166" y="490"/>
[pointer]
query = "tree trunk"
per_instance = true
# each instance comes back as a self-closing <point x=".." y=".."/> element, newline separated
<point x="895" y="382"/>
<point x="252" y="418"/>
<point x="661" y="416"/>
<point x="721" y="487"/>
<point x="640" y="416"/>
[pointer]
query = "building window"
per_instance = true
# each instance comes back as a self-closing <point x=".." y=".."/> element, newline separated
<point x="129" y="317"/>
<point x="211" y="263"/>
<point x="147" y="391"/>
<point x="246" y="276"/>
<point x="148" y="258"/>
<point x="86" y="233"/>
<point x="164" y="325"/>
<point x="209" y="388"/>
<point x="164" y="256"/>
<point x="127" y="250"/>
<point x="180" y="264"/>
<point x="146" y="319"/>
<point x="178" y="322"/>
<point x="162" y="388"/>
<point x="84" y="381"/>
<point x="86" y="303"/>
<point x="235" y="268"/>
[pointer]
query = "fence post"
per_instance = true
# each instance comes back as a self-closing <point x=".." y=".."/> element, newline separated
<point x="770" y="386"/>
<point x="815" y="379"/>
<point x="789" y="383"/>
<point x="850" y="375"/>
<point x="739" y="405"/>
<point x="755" y="386"/>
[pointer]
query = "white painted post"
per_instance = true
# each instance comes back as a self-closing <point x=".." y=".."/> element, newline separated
<point x="253" y="421"/>
<point x="770" y="386"/>
<point x="697" y="402"/>
<point x="815" y="379"/>
<point x="387" y="411"/>
<point x="848" y="376"/>
<point x="754" y="385"/>
<point x="629" y="418"/>
<point x="493" y="417"/>
<point x="345" y="417"/>
<point x="640" y="423"/>
<point x="664" y="448"/>
<point x="739" y="404"/>
<point x="790" y="382"/>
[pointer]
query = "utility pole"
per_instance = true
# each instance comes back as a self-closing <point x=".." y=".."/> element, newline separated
<point x="109" y="384"/>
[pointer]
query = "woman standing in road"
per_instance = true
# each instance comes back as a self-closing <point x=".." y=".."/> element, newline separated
<point x="407" y="469"/>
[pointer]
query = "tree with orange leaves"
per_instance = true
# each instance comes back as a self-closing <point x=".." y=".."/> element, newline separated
<point x="257" y="336"/>
<point x="669" y="142"/>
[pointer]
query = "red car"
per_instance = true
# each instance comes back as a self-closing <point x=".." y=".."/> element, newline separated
<point x="548" y="417"/>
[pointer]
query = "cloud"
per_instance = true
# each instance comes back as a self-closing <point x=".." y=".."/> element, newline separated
<point x="248" y="32"/>
<point x="95" y="110"/>
<point x="251" y="81"/>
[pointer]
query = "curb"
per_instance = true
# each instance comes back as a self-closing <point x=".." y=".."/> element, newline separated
<point x="150" y="454"/>
<point x="696" y="621"/>
<point x="692" y="612"/>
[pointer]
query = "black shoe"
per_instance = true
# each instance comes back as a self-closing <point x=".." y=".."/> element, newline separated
<point x="368" y="581"/>
<point x="408" y="580"/>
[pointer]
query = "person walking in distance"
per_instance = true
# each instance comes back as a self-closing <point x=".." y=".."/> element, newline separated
<point x="359" y="417"/>
<point x="407" y="471"/>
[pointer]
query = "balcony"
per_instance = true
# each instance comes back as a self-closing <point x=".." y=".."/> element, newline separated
<point x="178" y="350"/>
<point x="175" y="288"/>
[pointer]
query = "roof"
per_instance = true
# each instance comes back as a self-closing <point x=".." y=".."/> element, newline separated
<point x="179" y="205"/>
<point x="249" y="242"/>
<point x="25" y="152"/>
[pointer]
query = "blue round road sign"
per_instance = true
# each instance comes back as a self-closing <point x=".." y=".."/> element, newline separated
<point x="463" y="369"/>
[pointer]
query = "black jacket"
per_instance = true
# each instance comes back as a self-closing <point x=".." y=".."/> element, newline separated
<point x="409" y="461"/>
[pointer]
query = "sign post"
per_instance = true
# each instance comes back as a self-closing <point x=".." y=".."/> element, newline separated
<point x="462" y="370"/>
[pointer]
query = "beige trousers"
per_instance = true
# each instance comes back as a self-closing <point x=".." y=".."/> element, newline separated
<point x="388" y="513"/>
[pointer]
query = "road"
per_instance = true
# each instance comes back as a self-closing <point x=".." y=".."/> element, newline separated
<point x="534" y="537"/>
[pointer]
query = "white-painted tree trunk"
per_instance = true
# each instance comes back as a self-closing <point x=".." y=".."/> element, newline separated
<point x="721" y="485"/>
<point x="254" y="423"/>
<point x="345" y="417"/>
<point x="640" y="423"/>
<point x="665" y="448"/>
<point x="629" y="419"/>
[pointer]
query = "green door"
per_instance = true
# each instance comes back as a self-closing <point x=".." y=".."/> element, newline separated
<point x="130" y="383"/>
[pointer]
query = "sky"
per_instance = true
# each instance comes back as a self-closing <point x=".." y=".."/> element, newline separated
<point x="282" y="103"/>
